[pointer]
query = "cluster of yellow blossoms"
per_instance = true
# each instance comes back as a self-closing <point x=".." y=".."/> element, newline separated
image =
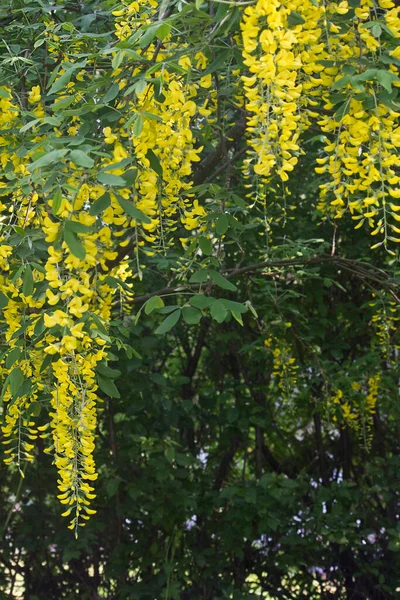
<point x="295" y="52"/>
<point x="279" y="56"/>
<point x="362" y="154"/>
<point x="358" y="408"/>
<point x="349" y="415"/>
<point x="284" y="367"/>
<point x="385" y="322"/>
<point x="57" y="308"/>
<point x="160" y="131"/>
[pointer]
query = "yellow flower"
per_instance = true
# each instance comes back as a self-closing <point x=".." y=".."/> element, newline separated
<point x="34" y="95"/>
<point x="109" y="137"/>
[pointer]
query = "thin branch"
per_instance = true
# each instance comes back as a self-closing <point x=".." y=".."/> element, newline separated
<point x="357" y="268"/>
<point x="233" y="136"/>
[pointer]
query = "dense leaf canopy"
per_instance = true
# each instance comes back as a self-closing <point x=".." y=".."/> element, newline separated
<point x="199" y="290"/>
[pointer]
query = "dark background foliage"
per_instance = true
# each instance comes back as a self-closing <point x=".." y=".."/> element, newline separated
<point x="205" y="481"/>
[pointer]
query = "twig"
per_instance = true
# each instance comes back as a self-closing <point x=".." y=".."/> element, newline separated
<point x="358" y="269"/>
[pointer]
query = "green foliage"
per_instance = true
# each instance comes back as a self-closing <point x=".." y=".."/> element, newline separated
<point x="228" y="470"/>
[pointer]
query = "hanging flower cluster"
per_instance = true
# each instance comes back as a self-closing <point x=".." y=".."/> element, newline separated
<point x="281" y="49"/>
<point x="357" y="406"/>
<point x="308" y="58"/>
<point x="284" y="367"/>
<point x="348" y="412"/>
<point x="67" y="235"/>
<point x="361" y="159"/>
<point x="385" y="324"/>
<point x="55" y="314"/>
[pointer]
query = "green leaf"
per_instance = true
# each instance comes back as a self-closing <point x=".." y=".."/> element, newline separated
<point x="205" y="246"/>
<point x="154" y="162"/>
<point x="169" y="322"/>
<point x="113" y="180"/>
<point x="199" y="276"/>
<point x="348" y="70"/>
<point x="163" y="31"/>
<point x="234" y="306"/>
<point x="112" y="282"/>
<point x="77" y="227"/>
<point x="238" y="317"/>
<point x="74" y="244"/>
<point x="166" y="310"/>
<point x="148" y="36"/>
<point x="385" y="79"/>
<point x="388" y="30"/>
<point x="201" y="301"/>
<point x="137" y="126"/>
<point x="119" y="165"/>
<point x="222" y="225"/>
<point x="191" y="315"/>
<point x="153" y="303"/>
<point x="221" y="281"/>
<point x="35" y="409"/>
<point x="252" y="309"/>
<point x="17" y="274"/>
<point x="169" y="453"/>
<point x="150" y="115"/>
<point x="218" y="311"/>
<point x="52" y="121"/>
<point x="217" y="64"/>
<point x="24" y="390"/>
<point x="50" y="158"/>
<point x="336" y="98"/>
<point x="387" y="100"/>
<point x="140" y="85"/>
<point x="56" y="203"/>
<point x="387" y="59"/>
<point x="132" y="211"/>
<point x="16" y="380"/>
<point x="294" y="18"/>
<point x="341" y="82"/>
<point x="342" y="111"/>
<point x="100" y="205"/>
<point x="108" y="386"/>
<point x="99" y="323"/>
<point x="367" y="75"/>
<point x="27" y="285"/>
<point x="111" y="94"/>
<point x="3" y="300"/>
<point x="376" y="30"/>
<point x="61" y="104"/>
<point x="47" y="361"/>
<point x="12" y="357"/>
<point x="232" y="414"/>
<point x="4" y="388"/>
<point x="81" y="159"/>
<point x="62" y="81"/>
<point x="117" y="60"/>
<point x="112" y="488"/>
<point x="29" y="125"/>
<point x="107" y="372"/>
<point x="239" y="201"/>
<point x="130" y="176"/>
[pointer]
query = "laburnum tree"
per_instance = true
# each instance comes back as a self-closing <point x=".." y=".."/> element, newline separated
<point x="199" y="228"/>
